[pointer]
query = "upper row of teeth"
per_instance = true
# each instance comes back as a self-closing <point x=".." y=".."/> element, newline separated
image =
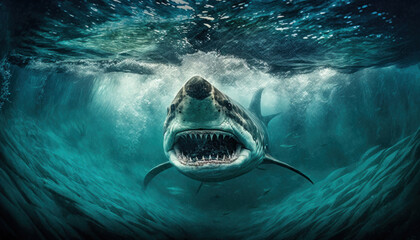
<point x="204" y="135"/>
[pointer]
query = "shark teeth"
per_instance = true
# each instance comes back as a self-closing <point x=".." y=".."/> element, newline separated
<point x="216" y="156"/>
<point x="205" y="134"/>
<point x="201" y="147"/>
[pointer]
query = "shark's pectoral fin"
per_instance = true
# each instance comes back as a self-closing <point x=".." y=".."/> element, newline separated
<point x="155" y="171"/>
<point x="270" y="160"/>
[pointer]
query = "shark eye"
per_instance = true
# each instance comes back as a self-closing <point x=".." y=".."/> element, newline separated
<point x="227" y="104"/>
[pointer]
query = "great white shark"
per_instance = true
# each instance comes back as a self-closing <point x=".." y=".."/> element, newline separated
<point x="210" y="137"/>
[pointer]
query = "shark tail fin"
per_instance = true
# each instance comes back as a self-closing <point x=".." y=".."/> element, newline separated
<point x="155" y="171"/>
<point x="255" y="107"/>
<point x="270" y="160"/>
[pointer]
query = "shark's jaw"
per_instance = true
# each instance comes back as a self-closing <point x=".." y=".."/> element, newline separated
<point x="206" y="146"/>
<point x="209" y="154"/>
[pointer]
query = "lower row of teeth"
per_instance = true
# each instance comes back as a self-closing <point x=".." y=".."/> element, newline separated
<point x="210" y="158"/>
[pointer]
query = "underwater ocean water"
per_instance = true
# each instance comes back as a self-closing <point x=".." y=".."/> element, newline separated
<point x="84" y="88"/>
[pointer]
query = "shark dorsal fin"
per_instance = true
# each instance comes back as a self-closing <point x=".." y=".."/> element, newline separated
<point x="268" y="159"/>
<point x="255" y="107"/>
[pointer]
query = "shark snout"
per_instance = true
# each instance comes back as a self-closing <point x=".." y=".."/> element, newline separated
<point x="198" y="88"/>
<point x="198" y="104"/>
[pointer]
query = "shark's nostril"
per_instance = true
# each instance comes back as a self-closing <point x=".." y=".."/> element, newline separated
<point x="197" y="87"/>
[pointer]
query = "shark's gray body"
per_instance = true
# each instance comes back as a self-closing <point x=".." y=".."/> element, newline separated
<point x="210" y="137"/>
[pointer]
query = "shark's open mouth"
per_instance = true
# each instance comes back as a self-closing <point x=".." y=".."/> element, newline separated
<point x="200" y="147"/>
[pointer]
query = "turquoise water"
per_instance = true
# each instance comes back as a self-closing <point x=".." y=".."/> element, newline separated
<point x="83" y="100"/>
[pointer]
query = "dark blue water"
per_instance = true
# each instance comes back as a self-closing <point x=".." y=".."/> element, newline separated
<point x="84" y="87"/>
